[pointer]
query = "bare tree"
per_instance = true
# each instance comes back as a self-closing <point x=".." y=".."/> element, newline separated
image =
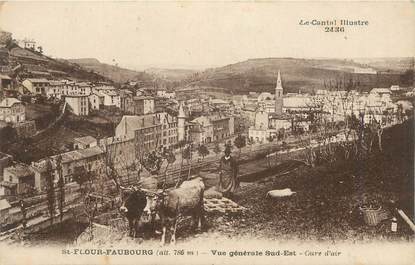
<point x="61" y="186"/>
<point x="50" y="189"/>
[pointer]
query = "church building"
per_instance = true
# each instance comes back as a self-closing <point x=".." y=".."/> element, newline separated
<point x="268" y="123"/>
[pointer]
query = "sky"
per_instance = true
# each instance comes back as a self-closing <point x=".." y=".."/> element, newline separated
<point x="201" y="34"/>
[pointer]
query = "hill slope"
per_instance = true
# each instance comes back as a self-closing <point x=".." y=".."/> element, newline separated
<point x="26" y="63"/>
<point x="300" y="74"/>
<point x="115" y="73"/>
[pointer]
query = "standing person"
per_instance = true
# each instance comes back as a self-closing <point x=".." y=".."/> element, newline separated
<point x="228" y="173"/>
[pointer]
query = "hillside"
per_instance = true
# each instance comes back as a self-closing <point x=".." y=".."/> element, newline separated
<point x="26" y="63"/>
<point x="300" y="74"/>
<point x="388" y="64"/>
<point x="115" y="73"/>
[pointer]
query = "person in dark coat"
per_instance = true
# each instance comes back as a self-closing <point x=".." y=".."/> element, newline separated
<point x="228" y="174"/>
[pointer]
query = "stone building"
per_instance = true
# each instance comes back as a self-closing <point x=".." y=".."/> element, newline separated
<point x="12" y="110"/>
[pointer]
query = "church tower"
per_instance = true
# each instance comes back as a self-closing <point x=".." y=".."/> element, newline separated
<point x="278" y="95"/>
<point x="180" y="123"/>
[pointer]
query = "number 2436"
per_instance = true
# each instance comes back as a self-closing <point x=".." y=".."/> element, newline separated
<point x="333" y="29"/>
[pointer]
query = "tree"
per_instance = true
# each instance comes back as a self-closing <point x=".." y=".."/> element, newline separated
<point x="81" y="176"/>
<point x="281" y="134"/>
<point x="169" y="156"/>
<point x="89" y="202"/>
<point x="240" y="142"/>
<point x="50" y="189"/>
<point x="203" y="151"/>
<point x="61" y="186"/>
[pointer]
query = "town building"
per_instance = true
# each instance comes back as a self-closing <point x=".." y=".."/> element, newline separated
<point x="85" y="142"/>
<point x="111" y="98"/>
<point x="142" y="105"/>
<point x="267" y="123"/>
<point x="36" y="86"/>
<point x="29" y="44"/>
<point x="5" y="82"/>
<point x="55" y="89"/>
<point x="206" y="129"/>
<point x="5" y="161"/>
<point x="169" y="129"/>
<point x="84" y="88"/>
<point x="163" y="93"/>
<point x="17" y="179"/>
<point x="96" y="99"/>
<point x="78" y="104"/>
<point x="395" y="88"/>
<point x="12" y="110"/>
<point x="219" y="104"/>
<point x="201" y="130"/>
<point x="148" y="124"/>
<point x="83" y="160"/>
<point x="126" y="101"/>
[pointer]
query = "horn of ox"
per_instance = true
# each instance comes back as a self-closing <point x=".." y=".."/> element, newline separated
<point x="153" y="193"/>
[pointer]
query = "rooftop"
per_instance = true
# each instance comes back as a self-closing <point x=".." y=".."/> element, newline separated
<point x="297" y="102"/>
<point x="85" y="140"/>
<point x="19" y="170"/>
<point x="219" y="101"/>
<point x="5" y="77"/>
<point x="4" y="204"/>
<point x="381" y="90"/>
<point x="276" y="116"/>
<point x="142" y="97"/>
<point x="76" y="96"/>
<point x="138" y="122"/>
<point x="8" y="102"/>
<point x="80" y="154"/>
<point x="38" y="80"/>
<point x="110" y="92"/>
<point x="67" y="157"/>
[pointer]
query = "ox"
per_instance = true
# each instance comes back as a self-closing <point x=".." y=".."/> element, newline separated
<point x="186" y="200"/>
<point x="133" y="203"/>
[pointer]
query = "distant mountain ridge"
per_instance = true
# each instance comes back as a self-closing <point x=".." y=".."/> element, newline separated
<point x="170" y="73"/>
<point x="305" y="75"/>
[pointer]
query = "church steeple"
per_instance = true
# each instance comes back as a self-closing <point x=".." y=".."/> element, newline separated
<point x="278" y="95"/>
<point x="279" y="84"/>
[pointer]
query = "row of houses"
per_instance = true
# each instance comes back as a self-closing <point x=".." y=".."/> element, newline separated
<point x="269" y="114"/>
<point x="82" y="97"/>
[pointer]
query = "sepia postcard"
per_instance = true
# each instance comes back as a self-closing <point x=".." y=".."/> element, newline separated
<point x="207" y="132"/>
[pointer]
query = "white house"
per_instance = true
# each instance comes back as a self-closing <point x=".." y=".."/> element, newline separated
<point x="95" y="100"/>
<point x="36" y="86"/>
<point x="111" y="98"/>
<point x="395" y="88"/>
<point x="12" y="110"/>
<point x="166" y="94"/>
<point x="78" y="104"/>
